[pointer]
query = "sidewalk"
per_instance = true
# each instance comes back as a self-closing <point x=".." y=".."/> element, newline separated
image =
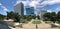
<point x="43" y="25"/>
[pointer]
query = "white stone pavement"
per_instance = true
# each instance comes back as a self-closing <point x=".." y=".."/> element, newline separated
<point x="33" y="26"/>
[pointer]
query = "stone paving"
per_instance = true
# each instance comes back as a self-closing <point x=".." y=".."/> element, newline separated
<point x="33" y="26"/>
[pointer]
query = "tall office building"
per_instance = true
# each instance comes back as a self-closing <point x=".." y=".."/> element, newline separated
<point x="19" y="8"/>
<point x="30" y="11"/>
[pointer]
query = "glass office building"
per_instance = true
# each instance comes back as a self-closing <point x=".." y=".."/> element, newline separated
<point x="30" y="11"/>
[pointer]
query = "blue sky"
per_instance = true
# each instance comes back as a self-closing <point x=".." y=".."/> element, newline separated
<point x="49" y="5"/>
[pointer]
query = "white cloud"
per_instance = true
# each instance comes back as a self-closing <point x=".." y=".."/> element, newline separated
<point x="40" y="3"/>
<point x="24" y="2"/>
<point x="0" y="4"/>
<point x="34" y="3"/>
<point x="29" y="2"/>
<point x="57" y="9"/>
<point x="3" y="7"/>
<point x="49" y="11"/>
<point x="50" y="2"/>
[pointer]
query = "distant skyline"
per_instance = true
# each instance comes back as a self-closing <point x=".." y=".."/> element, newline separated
<point x="49" y="5"/>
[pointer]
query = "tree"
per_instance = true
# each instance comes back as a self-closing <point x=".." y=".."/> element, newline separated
<point x="50" y="16"/>
<point x="14" y="15"/>
<point x="53" y="17"/>
<point x="58" y="16"/>
<point x="38" y="17"/>
<point x="47" y="16"/>
<point x="2" y="17"/>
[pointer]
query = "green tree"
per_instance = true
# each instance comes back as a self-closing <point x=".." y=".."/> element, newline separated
<point x="2" y="17"/>
<point x="14" y="15"/>
<point x="53" y="17"/>
<point x="58" y="16"/>
<point x="38" y="17"/>
<point x="47" y="16"/>
<point x="50" y="16"/>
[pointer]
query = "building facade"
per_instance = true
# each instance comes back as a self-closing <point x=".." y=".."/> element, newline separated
<point x="41" y="13"/>
<point x="19" y="8"/>
<point x="30" y="11"/>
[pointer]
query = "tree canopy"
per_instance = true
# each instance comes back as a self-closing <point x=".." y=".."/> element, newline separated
<point x="52" y="16"/>
<point x="2" y="17"/>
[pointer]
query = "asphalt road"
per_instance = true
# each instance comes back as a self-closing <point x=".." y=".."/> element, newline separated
<point x="3" y="25"/>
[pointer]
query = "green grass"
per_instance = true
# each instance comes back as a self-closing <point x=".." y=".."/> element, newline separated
<point x="36" y="22"/>
<point x="48" y="22"/>
<point x="57" y="22"/>
<point x="25" y="21"/>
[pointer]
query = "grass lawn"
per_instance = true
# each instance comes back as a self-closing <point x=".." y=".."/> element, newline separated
<point x="48" y="22"/>
<point x="25" y="21"/>
<point x="57" y="22"/>
<point x="36" y="22"/>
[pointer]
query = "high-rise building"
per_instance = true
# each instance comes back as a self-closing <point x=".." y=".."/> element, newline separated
<point x="19" y="8"/>
<point x="30" y="11"/>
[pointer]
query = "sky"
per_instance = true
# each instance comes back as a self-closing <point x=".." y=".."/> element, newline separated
<point x="49" y="5"/>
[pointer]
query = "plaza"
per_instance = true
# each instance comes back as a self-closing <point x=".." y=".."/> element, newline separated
<point x="42" y="25"/>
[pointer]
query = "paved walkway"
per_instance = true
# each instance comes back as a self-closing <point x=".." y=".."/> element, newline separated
<point x="43" y="25"/>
